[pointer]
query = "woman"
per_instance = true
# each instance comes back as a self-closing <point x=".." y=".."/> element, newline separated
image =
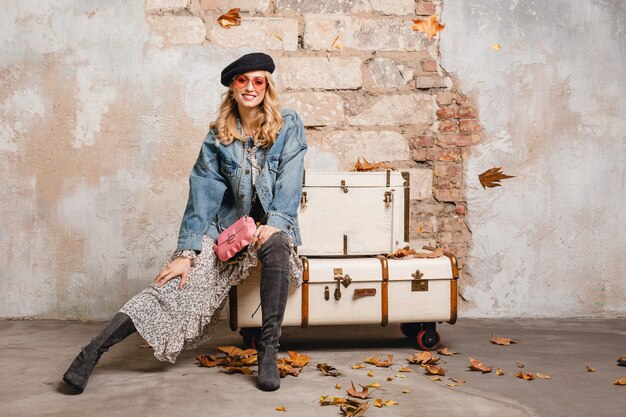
<point x="251" y="162"/>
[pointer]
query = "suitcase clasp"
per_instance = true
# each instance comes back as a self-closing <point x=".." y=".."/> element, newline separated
<point x="388" y="199"/>
<point x="418" y="284"/>
<point x="303" y="200"/>
<point x="341" y="280"/>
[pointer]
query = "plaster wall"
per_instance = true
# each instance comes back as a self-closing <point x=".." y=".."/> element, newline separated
<point x="549" y="242"/>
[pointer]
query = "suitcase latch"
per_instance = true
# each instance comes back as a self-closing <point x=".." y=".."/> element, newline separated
<point x="303" y="200"/>
<point x="418" y="284"/>
<point x="343" y="186"/>
<point x="388" y="199"/>
<point x="341" y="279"/>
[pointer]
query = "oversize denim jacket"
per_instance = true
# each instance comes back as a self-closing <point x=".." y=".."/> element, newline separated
<point x="220" y="185"/>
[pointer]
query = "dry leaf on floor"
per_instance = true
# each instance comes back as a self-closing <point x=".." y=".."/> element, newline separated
<point x="621" y="361"/>
<point x="230" y="18"/>
<point x="528" y="376"/>
<point x="430" y="26"/>
<point x="143" y="345"/>
<point x="590" y="369"/>
<point x="373" y="385"/>
<point x="423" y="358"/>
<point x="237" y="370"/>
<point x="209" y="361"/>
<point x="405" y="391"/>
<point x="457" y="380"/>
<point x="499" y="372"/>
<point x="519" y="364"/>
<point x="352" y="391"/>
<point x="476" y="365"/>
<point x="492" y="177"/>
<point x="389" y="378"/>
<point x="370" y="374"/>
<point x="404" y="369"/>
<point x="281" y="408"/>
<point x="444" y="351"/>
<point x="354" y="408"/>
<point x="378" y="402"/>
<point x="328" y="370"/>
<point x="542" y="376"/>
<point x="435" y="370"/>
<point x="435" y="378"/>
<point x="503" y="341"/>
<point x="358" y="366"/>
<point x="337" y="386"/>
<point x="285" y="369"/>
<point x="389" y="403"/>
<point x="375" y="360"/>
<point x="496" y="46"/>
<point x="399" y="376"/>
<point x="332" y="400"/>
<point x="297" y="360"/>
<point x="235" y="351"/>
<point x="621" y="381"/>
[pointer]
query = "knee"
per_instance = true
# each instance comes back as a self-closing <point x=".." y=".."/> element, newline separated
<point x="276" y="246"/>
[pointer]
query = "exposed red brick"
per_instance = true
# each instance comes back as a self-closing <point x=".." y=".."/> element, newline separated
<point x="424" y="8"/>
<point x="467" y="113"/>
<point x="469" y="125"/>
<point x="447" y="169"/>
<point x="423" y="140"/>
<point x="451" y="195"/>
<point x="460" y="209"/>
<point x="429" y="65"/>
<point x="448" y="112"/>
<point x="449" y="125"/>
<point x="452" y="225"/>
<point x="444" y="98"/>
<point x="453" y="139"/>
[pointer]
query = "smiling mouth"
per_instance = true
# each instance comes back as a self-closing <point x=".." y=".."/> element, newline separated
<point x="249" y="96"/>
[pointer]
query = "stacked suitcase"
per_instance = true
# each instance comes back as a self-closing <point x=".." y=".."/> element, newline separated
<point x="349" y="221"/>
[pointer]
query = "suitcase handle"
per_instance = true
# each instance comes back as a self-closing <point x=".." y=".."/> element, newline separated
<point x="364" y="292"/>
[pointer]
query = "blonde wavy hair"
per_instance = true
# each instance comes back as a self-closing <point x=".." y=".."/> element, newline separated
<point x="267" y="123"/>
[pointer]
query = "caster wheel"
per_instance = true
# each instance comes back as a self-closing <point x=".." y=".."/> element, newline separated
<point x="410" y="330"/>
<point x="428" y="340"/>
<point x="250" y="336"/>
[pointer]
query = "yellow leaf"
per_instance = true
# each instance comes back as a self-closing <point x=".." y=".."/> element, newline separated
<point x="373" y="385"/>
<point x="378" y="403"/>
<point x="389" y="403"/>
<point x="496" y="46"/>
<point x="430" y="26"/>
<point x="370" y="374"/>
<point x="435" y="370"/>
<point x="281" y="408"/>
<point x="358" y="366"/>
<point x="499" y="372"/>
<point x="404" y="369"/>
<point x="621" y="381"/>
<point x="543" y="376"/>
<point x="331" y="400"/>
<point x="405" y="391"/>
<point x="435" y="378"/>
<point x="231" y="18"/>
<point x="337" y="386"/>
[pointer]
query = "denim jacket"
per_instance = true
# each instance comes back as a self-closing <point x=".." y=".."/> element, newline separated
<point x="220" y="185"/>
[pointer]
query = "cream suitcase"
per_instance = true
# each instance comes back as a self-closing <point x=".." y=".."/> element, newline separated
<point x="415" y="292"/>
<point x="354" y="213"/>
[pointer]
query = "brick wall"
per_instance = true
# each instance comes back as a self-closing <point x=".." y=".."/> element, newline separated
<point x="364" y="83"/>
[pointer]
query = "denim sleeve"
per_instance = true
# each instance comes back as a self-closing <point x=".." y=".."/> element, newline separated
<point x="206" y="190"/>
<point x="283" y="210"/>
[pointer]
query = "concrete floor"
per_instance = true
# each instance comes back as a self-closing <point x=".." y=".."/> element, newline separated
<point x="130" y="382"/>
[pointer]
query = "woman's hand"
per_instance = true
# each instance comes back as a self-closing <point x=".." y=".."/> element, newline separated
<point x="178" y="267"/>
<point x="261" y="235"/>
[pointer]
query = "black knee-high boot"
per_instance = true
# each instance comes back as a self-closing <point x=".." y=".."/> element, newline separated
<point x="274" y="255"/>
<point x="116" y="330"/>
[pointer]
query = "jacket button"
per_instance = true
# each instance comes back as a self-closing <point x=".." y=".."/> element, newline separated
<point x="288" y="227"/>
<point x="247" y="171"/>
<point x="241" y="196"/>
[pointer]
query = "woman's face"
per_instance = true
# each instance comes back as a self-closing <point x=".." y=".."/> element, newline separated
<point x="249" y="88"/>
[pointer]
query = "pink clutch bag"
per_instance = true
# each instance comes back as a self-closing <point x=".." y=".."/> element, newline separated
<point x="235" y="238"/>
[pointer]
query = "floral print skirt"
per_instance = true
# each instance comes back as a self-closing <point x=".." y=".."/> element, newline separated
<point x="172" y="319"/>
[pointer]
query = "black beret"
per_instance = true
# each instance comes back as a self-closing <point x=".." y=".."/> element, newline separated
<point x="256" y="61"/>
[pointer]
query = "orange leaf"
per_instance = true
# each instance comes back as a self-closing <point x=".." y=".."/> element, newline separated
<point x="337" y="386"/>
<point x="358" y="394"/>
<point x="430" y="26"/>
<point x="363" y="164"/>
<point x="230" y="18"/>
<point x="499" y="372"/>
<point x="621" y="381"/>
<point x="491" y="178"/>
<point x="281" y="408"/>
<point x="423" y="358"/>
<point x="235" y="351"/>
<point x="406" y="252"/>
<point x="370" y="374"/>
<point x="358" y="366"/>
<point x="496" y="47"/>
<point x="354" y="408"/>
<point x="621" y="361"/>
<point x="389" y="403"/>
<point x="405" y="391"/>
<point x="404" y="369"/>
<point x="476" y="365"/>
<point x="285" y="369"/>
<point x="209" y="361"/>
<point x="503" y="341"/>
<point x="435" y="378"/>
<point x="378" y="402"/>
<point x="237" y="369"/>
<point x="446" y="352"/>
<point x="435" y="370"/>
<point x="296" y="360"/>
<point x="380" y="363"/>
<point x="590" y="369"/>
<point x="528" y="376"/>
